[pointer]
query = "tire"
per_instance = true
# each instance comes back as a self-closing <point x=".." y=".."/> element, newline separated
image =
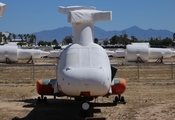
<point x="45" y="99"/>
<point x="39" y="100"/>
<point x="116" y="99"/>
<point x="122" y="99"/>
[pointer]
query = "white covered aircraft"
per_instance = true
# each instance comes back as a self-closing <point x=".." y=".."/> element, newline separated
<point x="2" y="9"/>
<point x="83" y="71"/>
<point x="144" y="52"/>
<point x="10" y="53"/>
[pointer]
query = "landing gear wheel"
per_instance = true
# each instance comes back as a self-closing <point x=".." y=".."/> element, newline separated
<point x="45" y="99"/>
<point x="116" y="100"/>
<point x="122" y="100"/>
<point x="119" y="99"/>
<point x="39" y="100"/>
<point x="42" y="99"/>
<point x="54" y="97"/>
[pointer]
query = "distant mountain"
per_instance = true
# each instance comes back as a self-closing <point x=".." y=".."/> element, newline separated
<point x="49" y="35"/>
<point x="146" y="34"/>
<point x="61" y="33"/>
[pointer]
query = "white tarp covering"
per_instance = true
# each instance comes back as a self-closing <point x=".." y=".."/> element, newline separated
<point x="66" y="10"/>
<point x="84" y="16"/>
<point x="2" y="9"/>
<point x="81" y="14"/>
<point x="140" y="44"/>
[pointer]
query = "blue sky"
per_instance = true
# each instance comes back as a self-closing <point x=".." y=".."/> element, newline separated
<point x="28" y="16"/>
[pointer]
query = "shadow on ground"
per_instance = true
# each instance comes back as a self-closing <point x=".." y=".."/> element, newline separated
<point x="59" y="109"/>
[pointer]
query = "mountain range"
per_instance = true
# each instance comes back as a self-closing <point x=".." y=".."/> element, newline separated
<point x="60" y="33"/>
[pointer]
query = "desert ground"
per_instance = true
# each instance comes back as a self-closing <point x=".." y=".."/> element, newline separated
<point x="149" y="95"/>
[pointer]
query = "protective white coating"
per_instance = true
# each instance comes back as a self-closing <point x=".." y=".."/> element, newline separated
<point x="144" y="51"/>
<point x="14" y="54"/>
<point x="159" y="52"/>
<point x="88" y="16"/>
<point x="82" y="33"/>
<point x="84" y="66"/>
<point x="66" y="10"/>
<point x="119" y="53"/>
<point x="55" y="53"/>
<point x="83" y="14"/>
<point x="134" y="51"/>
<point x="9" y="52"/>
<point x="24" y="54"/>
<point x="110" y="53"/>
<point x="2" y="9"/>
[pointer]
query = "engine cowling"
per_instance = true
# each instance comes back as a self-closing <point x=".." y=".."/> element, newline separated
<point x="118" y="86"/>
<point x="45" y="86"/>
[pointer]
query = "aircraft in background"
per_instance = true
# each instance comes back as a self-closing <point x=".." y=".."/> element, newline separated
<point x="10" y="53"/>
<point x="142" y="52"/>
<point x="83" y="70"/>
<point x="2" y="9"/>
<point x="57" y="51"/>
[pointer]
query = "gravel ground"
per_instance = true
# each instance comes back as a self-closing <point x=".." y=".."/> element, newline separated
<point x="143" y="101"/>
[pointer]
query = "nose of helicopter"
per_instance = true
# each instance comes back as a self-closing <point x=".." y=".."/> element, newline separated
<point x="94" y="81"/>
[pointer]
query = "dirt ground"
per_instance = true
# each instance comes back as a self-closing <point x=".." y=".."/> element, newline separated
<point x="153" y="101"/>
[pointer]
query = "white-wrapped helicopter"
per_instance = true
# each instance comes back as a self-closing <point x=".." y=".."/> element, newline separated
<point x="83" y="70"/>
